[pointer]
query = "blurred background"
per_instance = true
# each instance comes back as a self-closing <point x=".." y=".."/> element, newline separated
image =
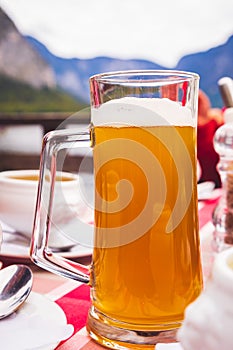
<point x="50" y="48"/>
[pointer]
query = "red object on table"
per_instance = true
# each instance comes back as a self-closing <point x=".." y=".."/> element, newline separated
<point x="76" y="304"/>
<point x="206" y="154"/>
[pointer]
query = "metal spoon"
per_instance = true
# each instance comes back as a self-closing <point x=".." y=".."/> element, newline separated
<point x="15" y="286"/>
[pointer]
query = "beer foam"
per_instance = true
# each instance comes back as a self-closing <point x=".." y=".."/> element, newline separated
<point x="142" y="112"/>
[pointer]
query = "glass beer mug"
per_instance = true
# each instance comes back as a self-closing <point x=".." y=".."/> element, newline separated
<point x="146" y="265"/>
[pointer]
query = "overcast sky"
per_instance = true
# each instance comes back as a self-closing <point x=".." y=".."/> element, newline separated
<point x="161" y="31"/>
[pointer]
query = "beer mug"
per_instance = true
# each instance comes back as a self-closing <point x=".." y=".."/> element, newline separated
<point x="146" y="265"/>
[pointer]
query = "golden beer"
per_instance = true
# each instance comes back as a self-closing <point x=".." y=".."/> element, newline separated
<point x="146" y="264"/>
<point x="146" y="282"/>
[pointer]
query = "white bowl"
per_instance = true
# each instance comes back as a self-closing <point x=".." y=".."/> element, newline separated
<point x="18" y="201"/>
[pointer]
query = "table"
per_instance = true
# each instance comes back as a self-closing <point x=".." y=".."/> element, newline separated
<point x="73" y="297"/>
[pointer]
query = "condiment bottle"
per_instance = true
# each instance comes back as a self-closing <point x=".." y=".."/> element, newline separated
<point x="223" y="213"/>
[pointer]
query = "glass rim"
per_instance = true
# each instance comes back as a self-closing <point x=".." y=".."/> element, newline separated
<point x="132" y="76"/>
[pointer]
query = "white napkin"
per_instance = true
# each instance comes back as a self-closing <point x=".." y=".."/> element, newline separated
<point x="38" y="324"/>
<point x="170" y="346"/>
<point x="31" y="334"/>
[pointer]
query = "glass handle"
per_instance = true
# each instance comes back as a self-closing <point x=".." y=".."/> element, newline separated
<point x="40" y="252"/>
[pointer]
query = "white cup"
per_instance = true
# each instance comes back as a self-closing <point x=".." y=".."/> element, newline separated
<point x="18" y="189"/>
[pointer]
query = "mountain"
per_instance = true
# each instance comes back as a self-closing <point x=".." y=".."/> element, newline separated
<point x="27" y="80"/>
<point x="29" y="61"/>
<point x="73" y="74"/>
<point x="211" y="65"/>
<point x="19" y="60"/>
<point x="17" y="96"/>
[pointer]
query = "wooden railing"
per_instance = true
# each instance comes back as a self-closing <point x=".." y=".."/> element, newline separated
<point x="49" y="122"/>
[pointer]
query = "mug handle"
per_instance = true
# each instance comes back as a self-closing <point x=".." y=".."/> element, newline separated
<point x="40" y="253"/>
